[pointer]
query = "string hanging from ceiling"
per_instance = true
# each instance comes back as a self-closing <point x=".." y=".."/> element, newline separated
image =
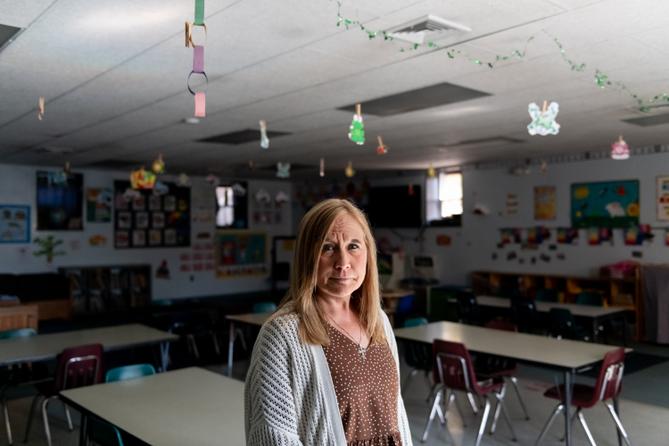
<point x="601" y="79"/>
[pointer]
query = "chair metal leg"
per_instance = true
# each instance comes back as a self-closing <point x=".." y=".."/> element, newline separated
<point x="472" y="403"/>
<point x="68" y="417"/>
<point x="193" y="345"/>
<point x="8" y="425"/>
<point x="484" y="420"/>
<point x="500" y="404"/>
<point x="408" y="379"/>
<point x="31" y="415"/>
<point x="559" y="408"/>
<point x="457" y="407"/>
<point x="498" y="408"/>
<point x="433" y="412"/>
<point x="514" y="381"/>
<point x="45" y="420"/>
<point x="217" y="348"/>
<point x="588" y="434"/>
<point x="619" y="423"/>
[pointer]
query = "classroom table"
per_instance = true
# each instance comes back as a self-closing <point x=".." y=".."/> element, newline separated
<point x="597" y="314"/>
<point x="569" y="357"/>
<point x="175" y="408"/>
<point x="254" y="319"/>
<point x="45" y="347"/>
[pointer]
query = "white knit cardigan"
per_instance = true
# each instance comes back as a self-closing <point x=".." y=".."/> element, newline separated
<point x="289" y="397"/>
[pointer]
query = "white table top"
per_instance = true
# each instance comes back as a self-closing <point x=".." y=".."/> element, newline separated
<point x="48" y="346"/>
<point x="176" y="408"/>
<point x="249" y="318"/>
<point x="559" y="353"/>
<point x="576" y="309"/>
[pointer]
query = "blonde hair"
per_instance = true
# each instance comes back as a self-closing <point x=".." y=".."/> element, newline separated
<point x="301" y="295"/>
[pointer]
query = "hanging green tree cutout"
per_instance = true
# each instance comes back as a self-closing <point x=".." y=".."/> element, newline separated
<point x="356" y="132"/>
<point x="47" y="247"/>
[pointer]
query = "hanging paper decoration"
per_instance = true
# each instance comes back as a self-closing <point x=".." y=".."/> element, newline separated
<point x="349" y="172"/>
<point x="620" y="150"/>
<point x="381" y="149"/>
<point x="321" y="171"/>
<point x="543" y="168"/>
<point x="160" y="189"/>
<point x="183" y="180"/>
<point x="431" y="172"/>
<point x="142" y="179"/>
<point x="200" y="100"/>
<point x="356" y="132"/>
<point x="238" y="190"/>
<point x="282" y="170"/>
<point x="543" y="120"/>
<point x="213" y="180"/>
<point x="264" y="140"/>
<point x="158" y="165"/>
<point x="262" y="196"/>
<point x="281" y="197"/>
<point x="40" y="108"/>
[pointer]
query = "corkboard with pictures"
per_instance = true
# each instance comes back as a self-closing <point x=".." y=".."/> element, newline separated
<point x="148" y="220"/>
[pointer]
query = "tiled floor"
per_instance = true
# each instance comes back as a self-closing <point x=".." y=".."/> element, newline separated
<point x="644" y="411"/>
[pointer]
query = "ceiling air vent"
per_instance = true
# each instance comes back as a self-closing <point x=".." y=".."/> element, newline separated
<point x="648" y="121"/>
<point x="241" y="136"/>
<point x="429" y="27"/>
<point x="7" y="35"/>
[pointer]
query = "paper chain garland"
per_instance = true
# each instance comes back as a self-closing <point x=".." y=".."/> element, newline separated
<point x="198" y="59"/>
<point x="601" y="79"/>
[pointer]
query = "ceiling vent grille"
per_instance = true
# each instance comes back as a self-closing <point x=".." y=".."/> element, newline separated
<point x="429" y="27"/>
<point x="649" y="121"/>
<point x="7" y="35"/>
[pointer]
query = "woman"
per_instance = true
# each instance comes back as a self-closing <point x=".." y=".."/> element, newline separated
<point x="324" y="369"/>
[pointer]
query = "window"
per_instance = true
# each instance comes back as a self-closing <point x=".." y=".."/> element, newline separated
<point x="225" y="200"/>
<point x="444" y="198"/>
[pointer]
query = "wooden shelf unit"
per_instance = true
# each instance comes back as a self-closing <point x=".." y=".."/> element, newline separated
<point x="623" y="292"/>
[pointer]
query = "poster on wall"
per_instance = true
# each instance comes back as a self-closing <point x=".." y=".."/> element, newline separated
<point x="60" y="201"/>
<point x="545" y="203"/>
<point x="240" y="253"/>
<point x="98" y="205"/>
<point x="663" y="198"/>
<point x="606" y="204"/>
<point x="147" y="220"/>
<point x="14" y="223"/>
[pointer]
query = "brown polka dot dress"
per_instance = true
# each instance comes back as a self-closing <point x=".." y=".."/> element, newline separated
<point x="366" y="389"/>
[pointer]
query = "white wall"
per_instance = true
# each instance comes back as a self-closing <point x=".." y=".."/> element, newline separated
<point x="17" y="186"/>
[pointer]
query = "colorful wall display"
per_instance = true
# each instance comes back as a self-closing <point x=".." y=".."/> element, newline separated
<point x="663" y="198"/>
<point x="14" y="223"/>
<point x="545" y="203"/>
<point x="240" y="253"/>
<point x="146" y="220"/>
<point x="98" y="205"/>
<point x="59" y="201"/>
<point x="607" y="204"/>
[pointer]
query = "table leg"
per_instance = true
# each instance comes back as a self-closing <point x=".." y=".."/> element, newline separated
<point x="164" y="356"/>
<point x="231" y="346"/>
<point x="567" y="406"/>
<point x="83" y="427"/>
<point x="617" y="409"/>
<point x="595" y="329"/>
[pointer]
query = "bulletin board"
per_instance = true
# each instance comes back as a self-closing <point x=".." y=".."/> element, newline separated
<point x="14" y="223"/>
<point x="240" y="253"/>
<point x="607" y="204"/>
<point x="149" y="220"/>
<point x="59" y="201"/>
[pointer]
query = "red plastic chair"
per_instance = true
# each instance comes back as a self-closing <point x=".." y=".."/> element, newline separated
<point x="606" y="390"/>
<point x="454" y="371"/>
<point x="76" y="367"/>
<point x="490" y="366"/>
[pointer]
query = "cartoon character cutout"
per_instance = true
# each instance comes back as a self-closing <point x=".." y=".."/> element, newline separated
<point x="543" y="120"/>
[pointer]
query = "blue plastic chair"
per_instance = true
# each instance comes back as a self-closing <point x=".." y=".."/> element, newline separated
<point x="546" y="295"/>
<point x="129" y="372"/>
<point x="589" y="298"/>
<point x="415" y="322"/>
<point x="100" y="431"/>
<point x="264" y="307"/>
<point x="18" y="333"/>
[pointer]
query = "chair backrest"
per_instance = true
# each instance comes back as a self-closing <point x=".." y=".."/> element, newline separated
<point x="264" y="307"/>
<point x="501" y="324"/>
<point x="79" y="366"/>
<point x="589" y="298"/>
<point x="453" y="366"/>
<point x="610" y="376"/>
<point x="524" y="313"/>
<point x="468" y="309"/>
<point x="17" y="333"/>
<point x="546" y="295"/>
<point x="129" y="372"/>
<point x="417" y="355"/>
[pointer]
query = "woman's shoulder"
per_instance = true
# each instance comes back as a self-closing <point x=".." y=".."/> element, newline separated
<point x="285" y="322"/>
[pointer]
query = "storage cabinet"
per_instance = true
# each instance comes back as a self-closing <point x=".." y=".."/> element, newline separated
<point x="615" y="291"/>
<point x="108" y="288"/>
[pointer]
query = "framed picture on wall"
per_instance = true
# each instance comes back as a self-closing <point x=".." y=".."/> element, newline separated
<point x="14" y="223"/>
<point x="606" y="204"/>
<point x="663" y="198"/>
<point x="545" y="203"/>
<point x="60" y="201"/>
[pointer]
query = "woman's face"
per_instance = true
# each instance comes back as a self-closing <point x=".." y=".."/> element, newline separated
<point x="342" y="264"/>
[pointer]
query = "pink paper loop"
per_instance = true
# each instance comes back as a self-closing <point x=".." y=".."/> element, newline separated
<point x="198" y="59"/>
<point x="200" y="104"/>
